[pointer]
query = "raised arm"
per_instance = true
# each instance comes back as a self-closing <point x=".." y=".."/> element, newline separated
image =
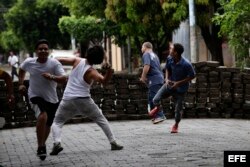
<point x="21" y="76"/>
<point x="67" y="60"/>
<point x="22" y="88"/>
<point x="58" y="79"/>
<point x="93" y="75"/>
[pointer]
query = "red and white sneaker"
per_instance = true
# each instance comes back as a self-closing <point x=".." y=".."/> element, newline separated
<point x="154" y="111"/>
<point x="174" y="129"/>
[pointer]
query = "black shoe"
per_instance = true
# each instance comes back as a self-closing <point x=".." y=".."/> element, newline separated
<point x="115" y="146"/>
<point x="56" y="149"/>
<point x="41" y="152"/>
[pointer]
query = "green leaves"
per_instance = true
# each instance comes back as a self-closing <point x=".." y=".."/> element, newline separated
<point x="9" y="40"/>
<point x="31" y="20"/>
<point x="83" y="28"/>
<point x="234" y="21"/>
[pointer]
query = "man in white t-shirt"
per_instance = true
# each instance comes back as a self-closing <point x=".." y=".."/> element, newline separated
<point x="13" y="62"/>
<point x="45" y="73"/>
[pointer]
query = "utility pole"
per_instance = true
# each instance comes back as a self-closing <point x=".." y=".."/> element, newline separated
<point x="193" y="35"/>
<point x="73" y="43"/>
<point x="129" y="56"/>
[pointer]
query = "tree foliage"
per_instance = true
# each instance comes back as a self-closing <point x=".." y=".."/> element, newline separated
<point x="31" y="20"/>
<point x="9" y="41"/>
<point x="84" y="28"/>
<point x="80" y="8"/>
<point x="86" y="23"/>
<point x="143" y="20"/>
<point x="137" y="20"/>
<point x="140" y="20"/>
<point x="234" y="20"/>
<point x="4" y="42"/>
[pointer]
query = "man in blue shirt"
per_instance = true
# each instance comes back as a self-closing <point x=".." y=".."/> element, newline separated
<point x="179" y="72"/>
<point x="152" y="75"/>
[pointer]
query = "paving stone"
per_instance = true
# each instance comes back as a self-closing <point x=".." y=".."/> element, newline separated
<point x="200" y="142"/>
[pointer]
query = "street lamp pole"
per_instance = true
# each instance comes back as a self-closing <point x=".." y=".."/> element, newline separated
<point x="193" y="35"/>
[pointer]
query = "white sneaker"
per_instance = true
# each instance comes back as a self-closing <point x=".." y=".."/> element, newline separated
<point x="158" y="120"/>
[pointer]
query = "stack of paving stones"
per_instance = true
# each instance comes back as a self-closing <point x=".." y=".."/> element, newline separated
<point x="215" y="92"/>
<point x="237" y="93"/>
<point x="108" y="98"/>
<point x="226" y="92"/>
<point x="214" y="87"/>
<point x="19" y="112"/>
<point x="131" y="97"/>
<point x="168" y="107"/>
<point x="202" y="87"/>
<point x="122" y="96"/>
<point x="20" y="115"/>
<point x="4" y="108"/>
<point x="189" y="109"/>
<point x="137" y="97"/>
<point x="246" y="104"/>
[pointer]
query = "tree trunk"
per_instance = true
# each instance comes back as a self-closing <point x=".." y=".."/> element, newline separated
<point x="84" y="45"/>
<point x="213" y="43"/>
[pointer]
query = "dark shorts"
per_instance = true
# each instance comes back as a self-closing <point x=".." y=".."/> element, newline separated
<point x="44" y="106"/>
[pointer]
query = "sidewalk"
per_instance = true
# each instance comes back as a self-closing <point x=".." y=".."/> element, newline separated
<point x="200" y="142"/>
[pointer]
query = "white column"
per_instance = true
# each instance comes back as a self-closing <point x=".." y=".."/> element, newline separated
<point x="193" y="36"/>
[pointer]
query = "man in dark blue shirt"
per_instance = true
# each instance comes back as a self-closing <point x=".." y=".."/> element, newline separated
<point x="179" y="73"/>
<point x="152" y="75"/>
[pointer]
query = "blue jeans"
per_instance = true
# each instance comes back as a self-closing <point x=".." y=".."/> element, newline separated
<point x="165" y="91"/>
<point x="151" y="94"/>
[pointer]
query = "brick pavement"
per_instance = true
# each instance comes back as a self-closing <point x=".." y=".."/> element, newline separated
<point x="201" y="142"/>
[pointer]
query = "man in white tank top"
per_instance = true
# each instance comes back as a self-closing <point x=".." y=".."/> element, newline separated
<point x="44" y="74"/>
<point x="76" y="98"/>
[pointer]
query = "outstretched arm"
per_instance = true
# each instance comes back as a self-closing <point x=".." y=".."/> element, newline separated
<point x="67" y="60"/>
<point x="181" y="82"/>
<point x="58" y="79"/>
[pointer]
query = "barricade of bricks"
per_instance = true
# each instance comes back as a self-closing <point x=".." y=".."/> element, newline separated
<point x="216" y="92"/>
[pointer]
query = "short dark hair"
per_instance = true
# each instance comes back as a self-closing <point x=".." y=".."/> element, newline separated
<point x="41" y="41"/>
<point x="95" y="55"/>
<point x="178" y="48"/>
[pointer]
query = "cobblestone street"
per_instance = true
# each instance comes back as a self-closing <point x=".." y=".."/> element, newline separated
<point x="200" y="142"/>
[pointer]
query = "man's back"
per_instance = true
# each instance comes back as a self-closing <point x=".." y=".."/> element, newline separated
<point x="154" y="75"/>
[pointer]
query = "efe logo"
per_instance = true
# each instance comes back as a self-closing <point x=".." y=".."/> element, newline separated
<point x="236" y="158"/>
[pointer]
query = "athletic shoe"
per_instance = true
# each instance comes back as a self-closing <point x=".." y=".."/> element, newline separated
<point x="41" y="152"/>
<point x="115" y="146"/>
<point x="56" y="149"/>
<point x="159" y="120"/>
<point x="174" y="129"/>
<point x="154" y="111"/>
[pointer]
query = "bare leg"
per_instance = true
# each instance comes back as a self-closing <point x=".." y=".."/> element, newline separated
<point x="47" y="131"/>
<point x="41" y="128"/>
